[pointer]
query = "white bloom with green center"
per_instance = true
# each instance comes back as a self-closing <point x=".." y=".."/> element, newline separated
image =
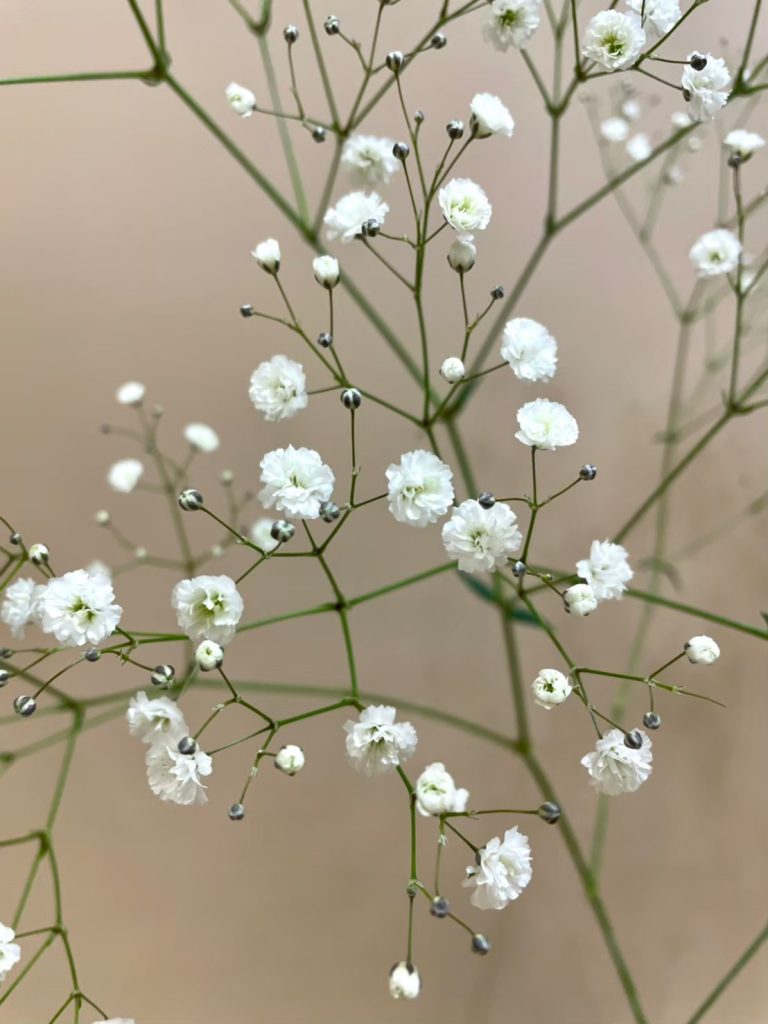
<point x="607" y="570"/>
<point x="369" y="160"/>
<point x="419" y="488"/>
<point x="529" y="349"/>
<point x="716" y="252"/>
<point x="267" y="254"/>
<point x="465" y="205"/>
<point x="296" y="482"/>
<point x="10" y="952"/>
<point x="278" y="388"/>
<point x="742" y="143"/>
<point x="155" y="719"/>
<point x="512" y="23"/>
<point x="613" y="40"/>
<point x="376" y="743"/>
<point x="175" y="776"/>
<point x="502" y="872"/>
<point x="78" y="608"/>
<point x="546" y="425"/>
<point x="436" y="792"/>
<point x="707" y="91"/>
<point x="242" y="100"/>
<point x="551" y="687"/>
<point x="208" y="608"/>
<point x="481" y="539"/>
<point x="615" y="768"/>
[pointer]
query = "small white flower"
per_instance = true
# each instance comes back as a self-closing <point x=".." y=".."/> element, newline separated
<point x="78" y="609"/>
<point x="290" y="759"/>
<point x="503" y="872"/>
<point x="98" y="568"/>
<point x="20" y="606"/>
<point x="707" y="91"/>
<point x="261" y="535"/>
<point x="376" y="743"/>
<point x="453" y="370"/>
<point x="580" y="599"/>
<point x="606" y="570"/>
<point x="512" y="23"/>
<point x="660" y="16"/>
<point x="207" y="608"/>
<point x="631" y="109"/>
<point x="296" y="482"/>
<point x="10" y="952"/>
<point x="326" y="271"/>
<point x="242" y="100"/>
<point x="616" y="768"/>
<point x="465" y="206"/>
<point x="419" y="488"/>
<point x="550" y="687"/>
<point x="613" y="40"/>
<point x="462" y="254"/>
<point x="124" y="475"/>
<point x="175" y="776"/>
<point x="267" y="255"/>
<point x="436" y="792"/>
<point x="278" y="388"/>
<point x="742" y="143"/>
<point x="716" y="252"/>
<point x="614" y="129"/>
<point x="369" y="160"/>
<point x="345" y="220"/>
<point x="209" y="655"/>
<point x="639" y="147"/>
<point x="155" y="719"/>
<point x="490" y="116"/>
<point x="681" y="119"/>
<point x="702" y="650"/>
<point x="546" y="425"/>
<point x="202" y="437"/>
<point x="131" y="393"/>
<point x="404" y="981"/>
<point x="529" y="349"/>
<point x="481" y="539"/>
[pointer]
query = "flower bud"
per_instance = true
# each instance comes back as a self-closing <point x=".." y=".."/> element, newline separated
<point x="242" y="100"/>
<point x="318" y="133"/>
<point x="132" y="393"/>
<point x="453" y="370"/>
<point x="580" y="599"/>
<point x="209" y="655"/>
<point x="549" y="812"/>
<point x="290" y="759"/>
<point x="462" y="254"/>
<point x="236" y="812"/>
<point x="246" y="311"/>
<point x="404" y="981"/>
<point x="326" y="270"/>
<point x="519" y="569"/>
<point x="394" y="61"/>
<point x="371" y="228"/>
<point x="486" y="500"/>
<point x="401" y="151"/>
<point x="440" y="907"/>
<point x="651" y="720"/>
<point x="633" y="739"/>
<point x="324" y="340"/>
<point x="39" y="554"/>
<point x="191" y="500"/>
<point x="588" y="472"/>
<point x="290" y="34"/>
<point x="698" y="61"/>
<point x="282" y="530"/>
<point x="351" y="398"/>
<point x="102" y="517"/>
<point x="438" y="41"/>
<point x="4" y="676"/>
<point x="163" y="676"/>
<point x="332" y="25"/>
<point x="701" y="650"/>
<point x="25" y="706"/>
<point x="187" y="745"/>
<point x="267" y="255"/>
<point x="480" y="944"/>
<point x="92" y="654"/>
<point x="550" y="687"/>
<point x="497" y="293"/>
<point x="329" y="511"/>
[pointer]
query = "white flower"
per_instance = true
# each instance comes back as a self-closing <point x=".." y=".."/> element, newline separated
<point x="261" y="535"/>
<point x="155" y="719"/>
<point x="743" y="144"/>
<point x="631" y="109"/>
<point x="481" y="539"/>
<point x="613" y="40"/>
<point x="10" y="952"/>
<point x="681" y="119"/>
<point x="124" y="475"/>
<point x="419" y="488"/>
<point x="376" y="743"/>
<point x="529" y="349"/>
<point x="20" y="606"/>
<point x="707" y="91"/>
<point x="660" y="16"/>
<point x="296" y="481"/>
<point x="716" y="252"/>
<point x="436" y="792"/>
<point x="580" y="599"/>
<point x="606" y="570"/>
<point x="616" y="768"/>
<point x="639" y="147"/>
<point x="490" y="116"/>
<point x="98" y="568"/>
<point x="326" y="271"/>
<point x="550" y="687"/>
<point x="614" y="129"/>
<point x="267" y="255"/>
<point x="546" y="425"/>
<point x="345" y="220"/>
<point x="131" y="393"/>
<point x="369" y="160"/>
<point x="290" y="759"/>
<point x="209" y="655"/>
<point x="503" y="872"/>
<point x="207" y="608"/>
<point x="202" y="437"/>
<point x="404" y="981"/>
<point x="175" y="776"/>
<point x="512" y="23"/>
<point x="453" y="370"/>
<point x="78" y="609"/>
<point x="462" y="254"/>
<point x="242" y="100"/>
<point x="702" y="650"/>
<point x="278" y="388"/>
<point x="465" y="206"/>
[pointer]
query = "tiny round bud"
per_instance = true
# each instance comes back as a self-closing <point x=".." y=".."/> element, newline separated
<point x="227" y="477"/>
<point x="187" y="745"/>
<point x="332" y="25"/>
<point x="480" y="945"/>
<point x="140" y="554"/>
<point x="290" y="759"/>
<point x="633" y="739"/>
<point x="701" y="650"/>
<point x="371" y="228"/>
<point x="588" y="472"/>
<point x="209" y="655"/>
<point x="290" y="34"/>
<point x="651" y="720"/>
<point x="455" y="129"/>
<point x="282" y="530"/>
<point x="329" y="511"/>
<point x="497" y="293"/>
<point x="438" y="41"/>
<point x="486" y="499"/>
<point x="246" y="310"/>
<point x="351" y="398"/>
<point x="236" y="812"/>
<point x="318" y="133"/>
<point x="191" y="500"/>
<point x="324" y="340"/>
<point x="687" y="95"/>
<point x="25" y="706"/>
<point x="15" y="539"/>
<point x="6" y="652"/>
<point x="440" y="907"/>
<point x="735" y="160"/>
<point x="453" y="370"/>
<point x="394" y="60"/>
<point x="401" y="151"/>
<point x="102" y="517"/>
<point x="92" y="654"/>
<point x="519" y="569"/>
<point x="4" y="676"/>
<point x="163" y="676"/>
<point x="549" y="812"/>
<point x="39" y="554"/>
<point x="698" y="62"/>
<point x="419" y="116"/>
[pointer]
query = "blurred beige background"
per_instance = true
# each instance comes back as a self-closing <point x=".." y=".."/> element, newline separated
<point x="125" y="255"/>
